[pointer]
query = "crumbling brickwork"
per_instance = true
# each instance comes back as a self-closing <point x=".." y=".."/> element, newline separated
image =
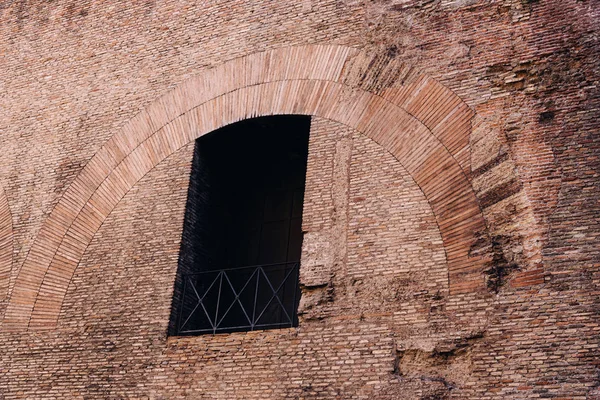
<point x="451" y="232"/>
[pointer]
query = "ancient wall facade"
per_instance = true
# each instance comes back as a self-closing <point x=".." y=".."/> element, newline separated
<point x="451" y="230"/>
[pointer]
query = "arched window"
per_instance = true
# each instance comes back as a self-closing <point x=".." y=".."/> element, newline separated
<point x="242" y="236"/>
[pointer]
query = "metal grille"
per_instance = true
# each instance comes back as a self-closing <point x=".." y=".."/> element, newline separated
<point x="240" y="299"/>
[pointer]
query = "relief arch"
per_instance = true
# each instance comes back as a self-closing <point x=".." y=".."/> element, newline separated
<point x="423" y="125"/>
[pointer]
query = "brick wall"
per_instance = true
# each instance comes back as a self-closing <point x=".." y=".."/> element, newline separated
<point x="377" y="317"/>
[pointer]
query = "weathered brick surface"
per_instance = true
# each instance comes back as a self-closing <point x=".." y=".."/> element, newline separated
<point x="448" y="136"/>
<point x="393" y="237"/>
<point x="265" y="83"/>
<point x="6" y="246"/>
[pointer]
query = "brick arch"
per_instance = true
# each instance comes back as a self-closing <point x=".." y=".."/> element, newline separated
<point x="427" y="137"/>
<point x="6" y="244"/>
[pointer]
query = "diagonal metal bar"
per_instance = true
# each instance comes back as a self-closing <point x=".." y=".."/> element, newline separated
<point x="212" y="323"/>
<point x="210" y="287"/>
<point x="194" y="309"/>
<point x="275" y="294"/>
<point x="255" y="299"/>
<point x="218" y="300"/>
<point x="200" y="301"/>
<point x="194" y="287"/>
<point x="236" y="299"/>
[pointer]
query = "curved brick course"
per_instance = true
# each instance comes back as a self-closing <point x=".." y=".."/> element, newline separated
<point x="424" y="125"/>
<point x="6" y="244"/>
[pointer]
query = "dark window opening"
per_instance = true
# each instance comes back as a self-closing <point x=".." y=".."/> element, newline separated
<point x="242" y="235"/>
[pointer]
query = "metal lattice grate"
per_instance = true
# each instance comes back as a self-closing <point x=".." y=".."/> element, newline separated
<point x="240" y="299"/>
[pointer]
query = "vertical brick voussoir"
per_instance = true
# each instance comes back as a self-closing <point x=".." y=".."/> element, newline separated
<point x="302" y="80"/>
<point x="445" y="114"/>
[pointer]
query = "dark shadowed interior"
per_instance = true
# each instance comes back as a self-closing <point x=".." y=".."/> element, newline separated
<point x="242" y="234"/>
